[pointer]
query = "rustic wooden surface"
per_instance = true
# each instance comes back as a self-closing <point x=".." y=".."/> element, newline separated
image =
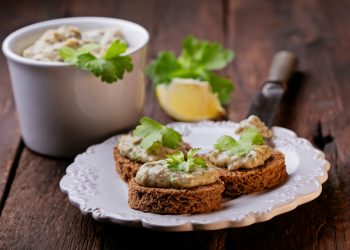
<point x="36" y="215"/>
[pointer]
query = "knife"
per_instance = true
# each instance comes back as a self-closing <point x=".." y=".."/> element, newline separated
<point x="265" y="104"/>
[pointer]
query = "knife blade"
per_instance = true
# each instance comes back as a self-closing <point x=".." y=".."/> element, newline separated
<point x="265" y="104"/>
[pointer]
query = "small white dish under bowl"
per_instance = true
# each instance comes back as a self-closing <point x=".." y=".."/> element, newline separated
<point x="93" y="185"/>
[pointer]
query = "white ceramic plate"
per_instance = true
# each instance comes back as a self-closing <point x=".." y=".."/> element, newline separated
<point x="93" y="185"/>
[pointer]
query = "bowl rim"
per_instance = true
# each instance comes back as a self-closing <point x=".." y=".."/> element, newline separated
<point x="61" y="21"/>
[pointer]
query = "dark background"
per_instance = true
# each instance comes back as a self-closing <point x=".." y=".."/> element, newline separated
<point x="36" y="215"/>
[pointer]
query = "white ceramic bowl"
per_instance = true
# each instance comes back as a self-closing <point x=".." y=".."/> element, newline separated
<point x="62" y="109"/>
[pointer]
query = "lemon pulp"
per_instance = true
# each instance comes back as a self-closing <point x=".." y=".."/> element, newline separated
<point x="189" y="100"/>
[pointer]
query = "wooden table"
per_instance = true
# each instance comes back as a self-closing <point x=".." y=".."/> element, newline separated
<point x="35" y="214"/>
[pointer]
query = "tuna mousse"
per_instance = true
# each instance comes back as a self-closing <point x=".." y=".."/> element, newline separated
<point x="47" y="46"/>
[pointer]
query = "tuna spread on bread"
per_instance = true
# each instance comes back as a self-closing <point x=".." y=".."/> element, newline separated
<point x="130" y="146"/>
<point x="254" y="158"/>
<point x="248" y="152"/>
<point x="151" y="141"/>
<point x="254" y="122"/>
<point x="177" y="172"/>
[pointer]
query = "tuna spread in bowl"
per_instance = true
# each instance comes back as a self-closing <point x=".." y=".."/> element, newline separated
<point x="47" y="46"/>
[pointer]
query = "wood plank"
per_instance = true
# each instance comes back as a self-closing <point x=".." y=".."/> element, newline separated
<point x="8" y="120"/>
<point x="10" y="147"/>
<point x="9" y="132"/>
<point x="254" y="32"/>
<point x="312" y="108"/>
<point x="47" y="219"/>
<point x="38" y="215"/>
<point x="334" y="124"/>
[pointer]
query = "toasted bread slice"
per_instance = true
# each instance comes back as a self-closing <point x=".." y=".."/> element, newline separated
<point x="126" y="167"/>
<point x="246" y="181"/>
<point x="200" y="199"/>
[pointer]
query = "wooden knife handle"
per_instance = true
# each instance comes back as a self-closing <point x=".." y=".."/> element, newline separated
<point x="282" y="67"/>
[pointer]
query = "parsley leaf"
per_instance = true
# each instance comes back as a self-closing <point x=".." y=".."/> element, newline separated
<point x="151" y="132"/>
<point x="197" y="60"/>
<point x="170" y="137"/>
<point x="222" y="86"/>
<point x="69" y="55"/>
<point x="251" y="136"/>
<point x="174" y="160"/>
<point x="204" y="54"/>
<point x="114" y="50"/>
<point x="110" y="68"/>
<point x="151" y="138"/>
<point x="248" y="139"/>
<point x="177" y="162"/>
<point x="225" y="143"/>
<point x="162" y="69"/>
<point x="87" y="48"/>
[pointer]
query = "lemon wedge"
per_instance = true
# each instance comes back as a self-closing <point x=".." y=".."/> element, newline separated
<point x="189" y="100"/>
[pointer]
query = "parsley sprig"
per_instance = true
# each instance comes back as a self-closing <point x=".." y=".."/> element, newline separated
<point x="151" y="132"/>
<point x="177" y="162"/>
<point x="110" y="67"/>
<point x="246" y="142"/>
<point x="198" y="60"/>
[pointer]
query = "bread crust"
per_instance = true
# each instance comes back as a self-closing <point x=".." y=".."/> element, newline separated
<point x="200" y="199"/>
<point x="125" y="167"/>
<point x="246" y="181"/>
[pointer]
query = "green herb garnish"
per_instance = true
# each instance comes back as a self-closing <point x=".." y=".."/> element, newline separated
<point x="152" y="132"/>
<point x="197" y="60"/>
<point x="110" y="67"/>
<point x="177" y="162"/>
<point x="248" y="139"/>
